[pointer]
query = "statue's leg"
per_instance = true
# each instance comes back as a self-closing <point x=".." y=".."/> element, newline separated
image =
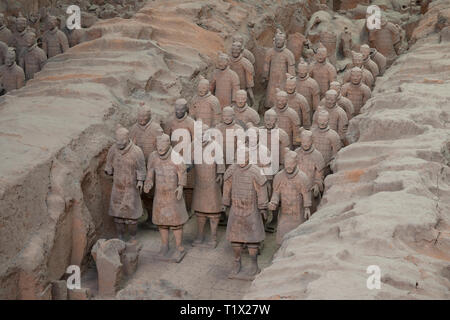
<point x="164" y="232"/>
<point x="178" y="233"/>
<point x="214" y="222"/>
<point x="237" y="248"/>
<point x="201" y="221"/>
<point x="120" y="228"/>
<point x="253" y="252"/>
<point x="132" y="229"/>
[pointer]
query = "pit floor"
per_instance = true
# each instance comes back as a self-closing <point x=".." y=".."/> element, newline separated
<point x="203" y="272"/>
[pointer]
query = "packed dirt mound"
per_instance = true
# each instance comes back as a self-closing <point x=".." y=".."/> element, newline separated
<point x="389" y="202"/>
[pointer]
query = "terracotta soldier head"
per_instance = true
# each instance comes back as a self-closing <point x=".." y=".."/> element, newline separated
<point x="223" y="61"/>
<point x="302" y="69"/>
<point x="290" y="161"/>
<point x="357" y="59"/>
<point x="122" y="138"/>
<point x="144" y="115"/>
<point x="356" y="75"/>
<point x="2" y="19"/>
<point x="383" y="20"/>
<point x="270" y="119"/>
<point x="365" y="51"/>
<point x="52" y="22"/>
<point x="21" y="24"/>
<point x="163" y="144"/>
<point x="181" y="108"/>
<point x="336" y="86"/>
<point x="281" y="99"/>
<point x="243" y="151"/>
<point x="330" y="98"/>
<point x="323" y="119"/>
<point x="236" y="49"/>
<point x="279" y="40"/>
<point x="203" y="87"/>
<point x="228" y="115"/>
<point x="30" y="39"/>
<point x="10" y="57"/>
<point x="306" y="139"/>
<point x="321" y="55"/>
<point x="241" y="98"/>
<point x="291" y="83"/>
<point x="238" y="38"/>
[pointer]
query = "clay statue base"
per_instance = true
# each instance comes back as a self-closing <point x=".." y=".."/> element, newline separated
<point x="171" y="256"/>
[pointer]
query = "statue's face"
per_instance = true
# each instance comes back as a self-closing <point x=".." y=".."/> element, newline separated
<point x="241" y="99"/>
<point x="238" y="38"/>
<point x="357" y="61"/>
<point x="270" y="121"/>
<point x="279" y="41"/>
<point x="143" y="117"/>
<point x="302" y="70"/>
<point x="281" y="101"/>
<point x="290" y="85"/>
<point x="180" y="110"/>
<point x="365" y="51"/>
<point x="321" y="55"/>
<point x="222" y="63"/>
<point x="203" y="88"/>
<point x="162" y="145"/>
<point x="356" y="77"/>
<point x="227" y="117"/>
<point x="122" y="140"/>
<point x="10" y="59"/>
<point x="52" y="23"/>
<point x="322" y="121"/>
<point x="236" y="49"/>
<point x="21" y="24"/>
<point x="306" y="142"/>
<point x="290" y="163"/>
<point x="330" y="99"/>
<point x="246" y="159"/>
<point x="30" y="39"/>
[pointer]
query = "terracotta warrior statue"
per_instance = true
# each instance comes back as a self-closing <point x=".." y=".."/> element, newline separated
<point x="243" y="112"/>
<point x="12" y="76"/>
<point x="297" y="101"/>
<point x="341" y="101"/>
<point x="126" y="163"/>
<point x="225" y="82"/>
<point x="245" y="52"/>
<point x="368" y="63"/>
<point x="311" y="162"/>
<point x="18" y="40"/>
<point x="385" y="39"/>
<point x="207" y="197"/>
<point x="278" y="61"/>
<point x="288" y="119"/>
<point x="6" y="35"/>
<point x="292" y="188"/>
<point x="33" y="58"/>
<point x="229" y="124"/>
<point x="244" y="69"/>
<point x="244" y="191"/>
<point x="358" y="61"/>
<point x="182" y="121"/>
<point x="379" y="59"/>
<point x="3" y="52"/>
<point x="307" y="86"/>
<point x="322" y="71"/>
<point x="204" y="106"/>
<point x="143" y="134"/>
<point x="346" y="43"/>
<point x="356" y="91"/>
<point x="338" y="118"/>
<point x="325" y="139"/>
<point x="54" y="41"/>
<point x="166" y="172"/>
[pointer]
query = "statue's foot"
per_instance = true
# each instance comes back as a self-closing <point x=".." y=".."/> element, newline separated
<point x="212" y="243"/>
<point x="198" y="241"/>
<point x="254" y="269"/>
<point x="179" y="253"/>
<point x="236" y="267"/>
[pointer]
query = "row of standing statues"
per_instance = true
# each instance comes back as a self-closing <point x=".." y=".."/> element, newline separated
<point x="20" y="55"/>
<point x="305" y="105"/>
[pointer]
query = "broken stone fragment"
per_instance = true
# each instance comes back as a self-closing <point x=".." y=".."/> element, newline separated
<point x="59" y="290"/>
<point x="79" y="294"/>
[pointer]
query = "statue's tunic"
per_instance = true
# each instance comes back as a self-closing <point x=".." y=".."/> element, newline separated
<point x="338" y="120"/>
<point x="357" y="94"/>
<point x="12" y="78"/>
<point x="289" y="121"/>
<point x="54" y="42"/>
<point x="324" y="73"/>
<point x="327" y="142"/>
<point x="32" y="61"/>
<point x="309" y="88"/>
<point x="299" y="104"/>
<point x="167" y="209"/>
<point x="245" y="115"/>
<point x="245" y="71"/>
<point x="145" y="136"/>
<point x="294" y="192"/>
<point x="245" y="191"/>
<point x="127" y="167"/>
<point x="224" y="85"/>
<point x="207" y="109"/>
